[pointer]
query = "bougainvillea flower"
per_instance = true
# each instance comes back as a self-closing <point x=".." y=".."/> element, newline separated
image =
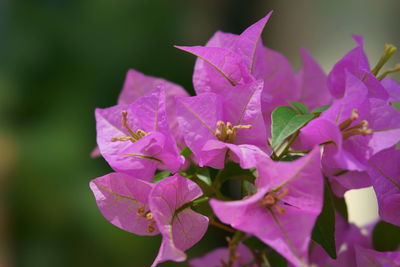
<point x="135" y="138"/>
<point x="311" y="83"/>
<point x="137" y="84"/>
<point x="231" y="69"/>
<point x="210" y="121"/>
<point x="392" y="87"/>
<point x="143" y="208"/>
<point x="180" y="226"/>
<point x="354" y="62"/>
<point x="228" y="60"/>
<point x="346" y="180"/>
<point x="219" y="257"/>
<point x="354" y="128"/>
<point x="283" y="211"/>
<point x="369" y="257"/>
<point x="124" y="201"/>
<point x="385" y="177"/>
<point x="246" y="155"/>
<point x="347" y="236"/>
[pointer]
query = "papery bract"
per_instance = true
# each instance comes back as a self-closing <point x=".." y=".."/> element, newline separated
<point x="369" y="257"/>
<point x="137" y="84"/>
<point x="392" y="87"/>
<point x="123" y="200"/>
<point x="218" y="256"/>
<point x="283" y="202"/>
<point x="384" y="171"/>
<point x="226" y="54"/>
<point x="348" y="144"/>
<point x="181" y="229"/>
<point x="200" y="115"/>
<point x="228" y="64"/>
<point x="354" y="62"/>
<point x="347" y="236"/>
<point x="228" y="60"/>
<point x="311" y="82"/>
<point x="141" y="157"/>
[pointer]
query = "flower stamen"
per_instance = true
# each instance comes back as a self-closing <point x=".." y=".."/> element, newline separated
<point x="389" y="50"/>
<point x="133" y="136"/>
<point x="150" y="227"/>
<point x="149" y="216"/>
<point x="272" y="199"/>
<point x="346" y="123"/>
<point x="227" y="132"/>
<point x="141" y="211"/>
<point x="360" y="128"/>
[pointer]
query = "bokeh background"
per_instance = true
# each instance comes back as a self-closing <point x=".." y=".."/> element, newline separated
<point x="60" y="59"/>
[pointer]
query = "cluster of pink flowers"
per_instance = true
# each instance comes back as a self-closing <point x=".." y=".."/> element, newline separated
<point x="295" y="141"/>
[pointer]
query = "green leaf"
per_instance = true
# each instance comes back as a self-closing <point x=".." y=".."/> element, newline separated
<point x="340" y="205"/>
<point x="320" y="109"/>
<point x="161" y="175"/>
<point x="299" y="107"/>
<point x="291" y="158"/>
<point x="248" y="188"/>
<point x="186" y="152"/>
<point x="286" y="121"/>
<point x="386" y="236"/>
<point x="204" y="175"/>
<point x="324" y="229"/>
<point x="396" y="105"/>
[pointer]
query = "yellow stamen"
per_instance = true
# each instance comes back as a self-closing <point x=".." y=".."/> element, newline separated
<point x="349" y="121"/>
<point x="268" y="200"/>
<point x="279" y="209"/>
<point x="122" y="138"/>
<point x="389" y="50"/>
<point x="150" y="227"/>
<point x="284" y="192"/>
<point x="133" y="136"/>
<point x="271" y="199"/>
<point x="124" y="122"/>
<point x="227" y="132"/>
<point x="354" y="132"/>
<point x="140" y="211"/>
<point x="149" y="216"/>
<point x="360" y="128"/>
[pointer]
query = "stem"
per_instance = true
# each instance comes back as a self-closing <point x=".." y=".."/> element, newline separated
<point x="217" y="184"/>
<point x="199" y="200"/>
<point x="289" y="143"/>
<point x="274" y="156"/>
<point x="385" y="73"/>
<point x="209" y="187"/>
<point x="261" y="259"/>
<point x="341" y="172"/>
<point x="388" y="52"/>
<point x="233" y="243"/>
<point x="298" y="151"/>
<point x="190" y="204"/>
<point x="221" y="226"/>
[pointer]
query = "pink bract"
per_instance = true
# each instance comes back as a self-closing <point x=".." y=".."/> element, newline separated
<point x="288" y="232"/>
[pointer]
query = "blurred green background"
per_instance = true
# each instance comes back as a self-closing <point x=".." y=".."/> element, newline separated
<point x="60" y="59"/>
